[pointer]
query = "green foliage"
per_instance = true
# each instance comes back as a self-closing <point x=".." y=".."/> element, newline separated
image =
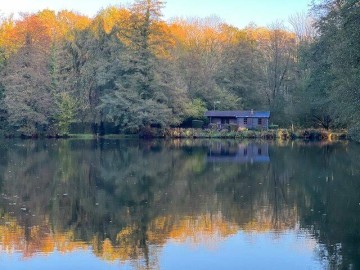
<point x="334" y="63"/>
<point x="197" y="109"/>
<point x="67" y="107"/>
<point x="130" y="111"/>
<point x="273" y="126"/>
<point x="197" y="124"/>
<point x="26" y="80"/>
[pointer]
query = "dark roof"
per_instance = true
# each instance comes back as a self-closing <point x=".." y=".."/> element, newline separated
<point x="248" y="114"/>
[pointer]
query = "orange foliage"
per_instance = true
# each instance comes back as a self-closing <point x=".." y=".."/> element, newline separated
<point x="8" y="36"/>
<point x="113" y="16"/>
<point x="69" y="21"/>
<point x="205" y="36"/>
<point x="209" y="35"/>
<point x="42" y="29"/>
<point x="264" y="36"/>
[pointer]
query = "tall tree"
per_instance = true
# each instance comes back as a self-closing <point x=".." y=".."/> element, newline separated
<point x="200" y="54"/>
<point x="277" y="69"/>
<point x="3" y="112"/>
<point x="334" y="59"/>
<point x="144" y="92"/>
<point x="28" y="98"/>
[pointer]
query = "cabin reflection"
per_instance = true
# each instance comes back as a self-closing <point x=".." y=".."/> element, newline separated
<point x="238" y="152"/>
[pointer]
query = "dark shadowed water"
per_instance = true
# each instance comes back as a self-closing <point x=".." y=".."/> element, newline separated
<point x="183" y="204"/>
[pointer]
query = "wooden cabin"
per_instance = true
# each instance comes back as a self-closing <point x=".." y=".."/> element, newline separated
<point x="242" y="119"/>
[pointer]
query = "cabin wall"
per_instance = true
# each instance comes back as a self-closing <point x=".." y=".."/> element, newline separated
<point x="223" y="120"/>
<point x="253" y="123"/>
<point x="215" y="120"/>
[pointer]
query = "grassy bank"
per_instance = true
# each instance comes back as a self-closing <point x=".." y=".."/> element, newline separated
<point x="191" y="133"/>
<point x="283" y="134"/>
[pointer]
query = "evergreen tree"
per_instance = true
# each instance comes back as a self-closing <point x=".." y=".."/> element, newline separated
<point x="143" y="89"/>
<point x="28" y="98"/>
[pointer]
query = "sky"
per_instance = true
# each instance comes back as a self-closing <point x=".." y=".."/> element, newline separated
<point x="238" y="13"/>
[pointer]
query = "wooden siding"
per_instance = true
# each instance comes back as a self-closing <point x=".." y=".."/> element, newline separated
<point x="252" y="122"/>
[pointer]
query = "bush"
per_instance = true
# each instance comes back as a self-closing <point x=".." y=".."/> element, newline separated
<point x="283" y="134"/>
<point x="273" y="126"/>
<point x="148" y="133"/>
<point x="197" y="124"/>
<point x="233" y="127"/>
<point x="213" y="126"/>
<point x="225" y="127"/>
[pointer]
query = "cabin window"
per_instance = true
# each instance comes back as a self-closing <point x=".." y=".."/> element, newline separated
<point x="259" y="121"/>
<point x="245" y="121"/>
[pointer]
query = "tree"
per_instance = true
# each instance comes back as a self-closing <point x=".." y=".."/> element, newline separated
<point x="303" y="27"/>
<point x="277" y="70"/>
<point x="66" y="112"/>
<point x="334" y="59"/>
<point x="145" y="37"/>
<point x="240" y="70"/>
<point x="26" y="79"/>
<point x="200" y="57"/>
<point x="144" y="92"/>
<point x="3" y="112"/>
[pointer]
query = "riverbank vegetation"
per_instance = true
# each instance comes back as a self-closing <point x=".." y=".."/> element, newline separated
<point x="282" y="134"/>
<point x="129" y="69"/>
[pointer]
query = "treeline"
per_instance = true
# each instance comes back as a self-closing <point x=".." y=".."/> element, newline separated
<point x="130" y="68"/>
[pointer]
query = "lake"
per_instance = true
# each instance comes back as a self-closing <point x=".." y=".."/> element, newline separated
<point x="179" y="204"/>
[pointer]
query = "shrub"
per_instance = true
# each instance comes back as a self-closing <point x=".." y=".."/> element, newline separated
<point x="233" y="127"/>
<point x="213" y="126"/>
<point x="273" y="126"/>
<point x="197" y="124"/>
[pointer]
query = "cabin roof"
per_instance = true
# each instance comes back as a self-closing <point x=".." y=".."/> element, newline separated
<point x="237" y="114"/>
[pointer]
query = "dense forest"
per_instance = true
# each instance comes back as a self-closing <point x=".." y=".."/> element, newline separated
<point x="129" y="67"/>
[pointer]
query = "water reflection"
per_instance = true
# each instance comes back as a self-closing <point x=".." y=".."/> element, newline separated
<point x="242" y="152"/>
<point x="133" y="201"/>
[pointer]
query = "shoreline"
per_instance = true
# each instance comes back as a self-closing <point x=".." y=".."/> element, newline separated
<point x="192" y="133"/>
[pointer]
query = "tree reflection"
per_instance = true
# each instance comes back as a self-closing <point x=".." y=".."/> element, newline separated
<point x="126" y="198"/>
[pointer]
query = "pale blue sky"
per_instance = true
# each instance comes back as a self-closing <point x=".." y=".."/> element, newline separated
<point x="235" y="12"/>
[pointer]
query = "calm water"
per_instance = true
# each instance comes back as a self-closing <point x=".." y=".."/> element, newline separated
<point x="129" y="204"/>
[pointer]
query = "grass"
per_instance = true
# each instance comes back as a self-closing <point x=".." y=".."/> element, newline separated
<point x="271" y="134"/>
<point x="90" y="136"/>
<point x="283" y="134"/>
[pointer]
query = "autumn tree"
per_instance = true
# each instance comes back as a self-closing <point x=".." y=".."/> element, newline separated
<point x="144" y="92"/>
<point x="199" y="55"/>
<point x="26" y="79"/>
<point x="240" y="70"/>
<point x="277" y="69"/>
